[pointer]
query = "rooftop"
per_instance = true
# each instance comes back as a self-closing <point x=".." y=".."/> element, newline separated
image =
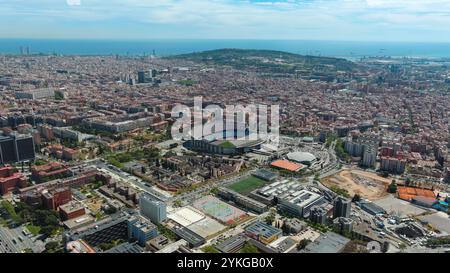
<point x="287" y="165"/>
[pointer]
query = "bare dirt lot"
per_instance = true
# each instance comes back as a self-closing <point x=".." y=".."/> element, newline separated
<point x="368" y="185"/>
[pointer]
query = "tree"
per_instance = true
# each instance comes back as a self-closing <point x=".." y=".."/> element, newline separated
<point x="177" y="203"/>
<point x="210" y="249"/>
<point x="270" y="218"/>
<point x="317" y="177"/>
<point x="249" y="248"/>
<point x="303" y="244"/>
<point x="356" y="198"/>
<point x="214" y="190"/>
<point x="392" y="187"/>
<point x="408" y="182"/>
<point x="28" y="250"/>
<point x="402" y="247"/>
<point x="53" y="247"/>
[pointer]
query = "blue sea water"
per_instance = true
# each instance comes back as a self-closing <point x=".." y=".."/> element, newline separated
<point x="171" y="47"/>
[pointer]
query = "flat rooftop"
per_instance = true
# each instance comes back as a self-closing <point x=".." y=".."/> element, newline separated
<point x="287" y="165"/>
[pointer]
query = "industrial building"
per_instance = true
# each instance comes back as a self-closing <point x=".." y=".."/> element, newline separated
<point x="371" y="208"/>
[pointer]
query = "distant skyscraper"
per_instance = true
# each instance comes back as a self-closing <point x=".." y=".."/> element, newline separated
<point x="342" y="207"/>
<point x="141" y="77"/>
<point x="146" y="76"/>
<point x="152" y="73"/>
<point x="153" y="209"/>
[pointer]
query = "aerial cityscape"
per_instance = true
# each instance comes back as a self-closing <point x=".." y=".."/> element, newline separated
<point x="224" y="149"/>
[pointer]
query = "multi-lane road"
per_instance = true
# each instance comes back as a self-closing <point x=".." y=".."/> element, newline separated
<point x="14" y="241"/>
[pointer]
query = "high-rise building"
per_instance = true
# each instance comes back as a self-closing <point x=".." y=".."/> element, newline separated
<point x="342" y="207"/>
<point x="318" y="215"/>
<point x="343" y="225"/>
<point x="447" y="175"/>
<point x="146" y="76"/>
<point x="369" y="157"/>
<point x="364" y="146"/>
<point x="141" y="76"/>
<point x="16" y="148"/>
<point x="393" y="164"/>
<point x="153" y="209"/>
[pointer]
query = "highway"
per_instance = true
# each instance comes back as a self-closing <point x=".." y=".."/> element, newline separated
<point x="10" y="242"/>
<point x="135" y="181"/>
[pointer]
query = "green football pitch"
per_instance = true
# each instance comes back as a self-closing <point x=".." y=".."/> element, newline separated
<point x="247" y="185"/>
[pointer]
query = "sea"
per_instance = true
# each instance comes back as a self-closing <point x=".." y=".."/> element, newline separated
<point x="344" y="49"/>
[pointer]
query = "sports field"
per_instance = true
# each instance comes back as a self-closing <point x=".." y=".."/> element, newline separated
<point x="246" y="185"/>
<point x="220" y="210"/>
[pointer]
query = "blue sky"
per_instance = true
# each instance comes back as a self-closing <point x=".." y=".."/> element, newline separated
<point x="357" y="20"/>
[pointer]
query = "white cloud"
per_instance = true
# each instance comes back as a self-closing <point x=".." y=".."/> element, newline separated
<point x="309" y="19"/>
<point x="74" y="2"/>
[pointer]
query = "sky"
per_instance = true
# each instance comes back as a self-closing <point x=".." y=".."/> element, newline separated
<point x="347" y="20"/>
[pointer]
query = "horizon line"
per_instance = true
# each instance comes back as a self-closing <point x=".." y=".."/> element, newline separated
<point x="224" y="39"/>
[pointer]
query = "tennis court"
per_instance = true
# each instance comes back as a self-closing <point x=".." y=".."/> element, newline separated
<point x="219" y="210"/>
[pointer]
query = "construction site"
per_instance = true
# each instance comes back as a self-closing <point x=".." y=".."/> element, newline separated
<point x="367" y="184"/>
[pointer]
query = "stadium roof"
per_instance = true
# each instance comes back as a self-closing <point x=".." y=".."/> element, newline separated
<point x="301" y="157"/>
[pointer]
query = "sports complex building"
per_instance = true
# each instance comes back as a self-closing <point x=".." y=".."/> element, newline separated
<point x="195" y="222"/>
<point x="302" y="158"/>
<point x="226" y="143"/>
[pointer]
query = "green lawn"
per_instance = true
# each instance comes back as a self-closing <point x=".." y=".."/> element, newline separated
<point x="35" y="230"/>
<point x="247" y="185"/>
<point x="227" y="144"/>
